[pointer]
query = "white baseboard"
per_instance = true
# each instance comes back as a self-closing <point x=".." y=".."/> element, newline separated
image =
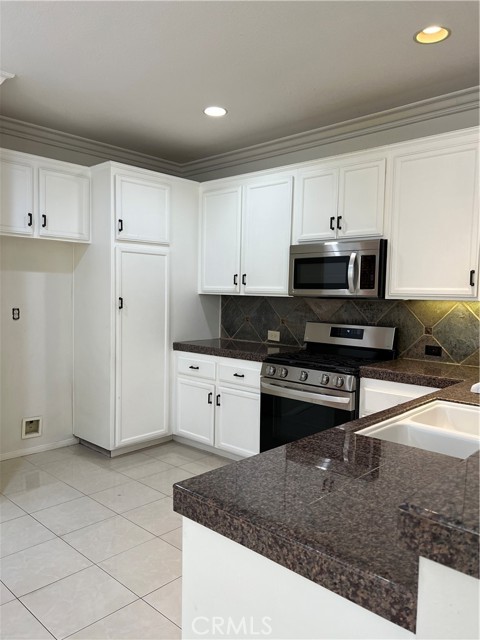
<point x="205" y="447"/>
<point x="43" y="447"/>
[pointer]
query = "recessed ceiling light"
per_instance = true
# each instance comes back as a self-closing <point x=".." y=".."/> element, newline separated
<point x="215" y="112"/>
<point x="431" y="35"/>
<point x="4" y="75"/>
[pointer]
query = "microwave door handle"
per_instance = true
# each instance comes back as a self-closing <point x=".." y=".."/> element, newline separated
<point x="351" y="272"/>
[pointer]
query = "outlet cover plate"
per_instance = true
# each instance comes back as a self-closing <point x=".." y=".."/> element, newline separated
<point x="273" y="336"/>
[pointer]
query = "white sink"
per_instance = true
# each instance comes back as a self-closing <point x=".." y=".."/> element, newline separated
<point x="443" y="427"/>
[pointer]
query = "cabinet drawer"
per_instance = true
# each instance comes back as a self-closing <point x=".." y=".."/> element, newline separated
<point x="239" y="376"/>
<point x="196" y="367"/>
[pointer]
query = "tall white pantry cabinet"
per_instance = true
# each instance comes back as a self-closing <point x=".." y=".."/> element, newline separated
<point x="121" y="311"/>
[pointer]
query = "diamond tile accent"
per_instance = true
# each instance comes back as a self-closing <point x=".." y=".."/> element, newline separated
<point x="249" y="317"/>
<point x="460" y="344"/>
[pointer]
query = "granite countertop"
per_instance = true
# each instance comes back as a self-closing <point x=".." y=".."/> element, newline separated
<point x="227" y="348"/>
<point x="421" y="372"/>
<point x="349" y="512"/>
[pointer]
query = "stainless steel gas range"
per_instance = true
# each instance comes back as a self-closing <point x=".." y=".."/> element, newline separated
<point x="316" y="388"/>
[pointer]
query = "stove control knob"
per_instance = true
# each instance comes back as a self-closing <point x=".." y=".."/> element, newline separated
<point x="324" y="379"/>
<point x="303" y="376"/>
<point x="283" y="372"/>
<point x="339" y="381"/>
<point x="271" y="370"/>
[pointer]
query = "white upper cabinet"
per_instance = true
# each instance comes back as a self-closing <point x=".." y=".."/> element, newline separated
<point x="220" y="240"/>
<point x="340" y="198"/>
<point x="245" y="236"/>
<point x="64" y="205"/>
<point x="141" y="209"/>
<point x="267" y="220"/>
<point x="16" y="198"/>
<point x="44" y="198"/>
<point x="433" y="219"/>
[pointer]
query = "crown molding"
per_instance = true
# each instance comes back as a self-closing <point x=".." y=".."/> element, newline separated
<point x="97" y="150"/>
<point x="417" y="112"/>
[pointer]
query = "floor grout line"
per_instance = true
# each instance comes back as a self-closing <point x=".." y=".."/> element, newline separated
<point x="176" y="449"/>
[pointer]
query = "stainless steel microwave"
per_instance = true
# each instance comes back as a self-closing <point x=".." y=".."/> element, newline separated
<point x="343" y="269"/>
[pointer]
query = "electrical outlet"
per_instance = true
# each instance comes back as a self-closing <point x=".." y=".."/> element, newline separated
<point x="273" y="336"/>
<point x="432" y="350"/>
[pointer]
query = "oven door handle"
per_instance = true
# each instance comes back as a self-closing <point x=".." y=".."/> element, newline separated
<point x="351" y="272"/>
<point x="309" y="396"/>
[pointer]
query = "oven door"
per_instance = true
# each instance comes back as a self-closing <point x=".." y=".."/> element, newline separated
<point x="289" y="413"/>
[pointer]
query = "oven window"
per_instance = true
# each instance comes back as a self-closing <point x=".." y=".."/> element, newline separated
<point x="321" y="273"/>
<point x="283" y="420"/>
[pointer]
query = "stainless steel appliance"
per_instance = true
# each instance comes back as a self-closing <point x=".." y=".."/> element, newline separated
<point x="338" y="269"/>
<point x="316" y="388"/>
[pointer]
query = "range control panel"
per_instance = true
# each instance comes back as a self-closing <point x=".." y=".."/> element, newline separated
<point x="312" y="377"/>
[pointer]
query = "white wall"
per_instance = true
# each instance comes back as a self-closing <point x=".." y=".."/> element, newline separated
<point x="192" y="317"/>
<point x="36" y="350"/>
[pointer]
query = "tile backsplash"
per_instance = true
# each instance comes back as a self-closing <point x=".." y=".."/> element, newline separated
<point x="454" y="326"/>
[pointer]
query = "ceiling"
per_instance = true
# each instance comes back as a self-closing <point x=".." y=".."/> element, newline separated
<point x="139" y="74"/>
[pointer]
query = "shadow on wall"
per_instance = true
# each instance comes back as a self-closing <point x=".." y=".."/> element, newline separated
<point x="454" y="326"/>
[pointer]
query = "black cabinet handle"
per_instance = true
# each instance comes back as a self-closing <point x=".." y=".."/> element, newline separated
<point x="218" y="400"/>
<point x="192" y="367"/>
<point x="339" y="226"/>
<point x="235" y="279"/>
<point x="30" y="220"/>
<point x="120" y="225"/>
<point x="331" y="223"/>
<point x="44" y="220"/>
<point x="472" y="282"/>
<point x="238" y="375"/>
<point x="244" y="278"/>
<point x="120" y="303"/>
<point x="210" y="398"/>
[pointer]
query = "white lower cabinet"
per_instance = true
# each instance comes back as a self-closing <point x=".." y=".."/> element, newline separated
<point x="217" y="402"/>
<point x="195" y="410"/>
<point x="237" y="426"/>
<point x="378" y="395"/>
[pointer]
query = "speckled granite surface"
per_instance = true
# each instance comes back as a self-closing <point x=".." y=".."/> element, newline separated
<point x="349" y="512"/>
<point x="227" y="348"/>
<point x="421" y="372"/>
<point x="441" y="521"/>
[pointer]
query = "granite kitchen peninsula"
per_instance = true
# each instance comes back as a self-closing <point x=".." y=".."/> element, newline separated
<point x="338" y="535"/>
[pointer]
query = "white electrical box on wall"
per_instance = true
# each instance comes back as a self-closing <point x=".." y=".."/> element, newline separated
<point x="31" y="427"/>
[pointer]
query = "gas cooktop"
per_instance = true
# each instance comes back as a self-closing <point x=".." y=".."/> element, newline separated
<point x="333" y="355"/>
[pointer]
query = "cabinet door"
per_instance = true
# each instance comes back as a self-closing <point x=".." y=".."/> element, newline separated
<point x="141" y="345"/>
<point x="361" y="200"/>
<point x="267" y="220"/>
<point x="434" y="227"/>
<point x="64" y="205"/>
<point x="195" y="410"/>
<point x="315" y="212"/>
<point x="238" y="421"/>
<point x="142" y="210"/>
<point x="220" y="241"/>
<point x="16" y="184"/>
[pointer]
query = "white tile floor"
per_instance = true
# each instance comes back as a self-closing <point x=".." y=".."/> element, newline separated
<point x="90" y="547"/>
